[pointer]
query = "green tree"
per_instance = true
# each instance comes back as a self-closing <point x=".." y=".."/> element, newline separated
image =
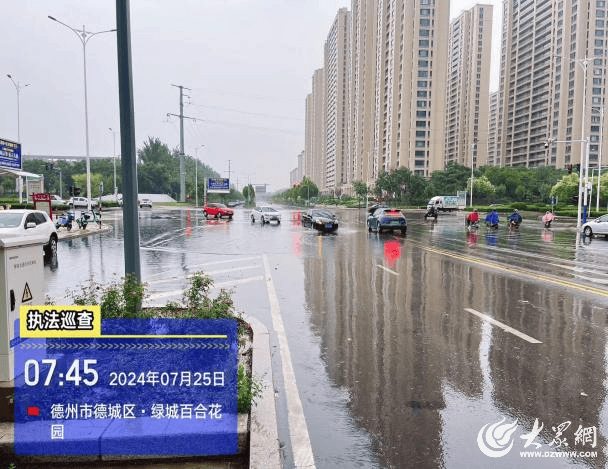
<point x="566" y="189"/>
<point x="158" y="168"/>
<point x="307" y="189"/>
<point x="249" y="194"/>
<point x="483" y="189"/>
<point x="361" y="190"/>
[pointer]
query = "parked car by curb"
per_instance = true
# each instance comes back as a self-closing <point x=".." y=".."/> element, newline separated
<point x="30" y="222"/>
<point x="82" y="202"/>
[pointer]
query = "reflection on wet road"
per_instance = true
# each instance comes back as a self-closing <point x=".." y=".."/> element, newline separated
<point x="405" y="348"/>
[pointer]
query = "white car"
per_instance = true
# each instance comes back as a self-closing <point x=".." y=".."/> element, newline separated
<point x="56" y="201"/>
<point x="76" y="202"/>
<point x="599" y="226"/>
<point x="144" y="202"/>
<point x="30" y="222"/>
<point x="265" y="215"/>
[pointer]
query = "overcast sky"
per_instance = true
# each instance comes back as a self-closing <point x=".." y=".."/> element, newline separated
<point x="249" y="65"/>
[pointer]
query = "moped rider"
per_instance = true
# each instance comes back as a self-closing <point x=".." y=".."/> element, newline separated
<point x="492" y="219"/>
<point x="515" y="218"/>
<point x="473" y="218"/>
<point x="548" y="218"/>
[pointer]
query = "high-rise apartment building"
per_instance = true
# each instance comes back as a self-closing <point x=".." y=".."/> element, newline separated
<point x="337" y="61"/>
<point x="410" y="85"/>
<point x="362" y="89"/>
<point x="315" y="130"/>
<point x="552" y="81"/>
<point x="389" y="110"/>
<point x="469" y="57"/>
<point x="493" y="129"/>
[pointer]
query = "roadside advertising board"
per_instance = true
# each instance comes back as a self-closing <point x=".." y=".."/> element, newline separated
<point x="10" y="154"/>
<point x="218" y="185"/>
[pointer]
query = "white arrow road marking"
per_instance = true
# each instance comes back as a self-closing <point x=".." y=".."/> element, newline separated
<point x="387" y="269"/>
<point x="493" y="321"/>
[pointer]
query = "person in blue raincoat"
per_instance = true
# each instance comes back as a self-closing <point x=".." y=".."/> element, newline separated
<point x="515" y="218"/>
<point x="492" y="219"/>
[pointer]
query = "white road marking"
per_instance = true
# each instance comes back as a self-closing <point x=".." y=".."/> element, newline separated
<point x="493" y="321"/>
<point x="167" y="294"/>
<point x="387" y="269"/>
<point x="298" y="430"/>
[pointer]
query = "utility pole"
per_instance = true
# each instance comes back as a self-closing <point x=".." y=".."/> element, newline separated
<point x="182" y="156"/>
<point x="229" y="171"/>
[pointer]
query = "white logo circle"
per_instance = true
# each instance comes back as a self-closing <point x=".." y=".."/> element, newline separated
<point x="494" y="441"/>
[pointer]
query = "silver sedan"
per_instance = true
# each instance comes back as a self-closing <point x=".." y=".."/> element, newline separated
<point x="599" y="226"/>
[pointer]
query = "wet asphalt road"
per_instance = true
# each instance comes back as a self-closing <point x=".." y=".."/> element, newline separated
<point x="395" y="358"/>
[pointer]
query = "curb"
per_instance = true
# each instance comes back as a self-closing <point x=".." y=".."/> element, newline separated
<point x="264" y="449"/>
<point x="63" y="234"/>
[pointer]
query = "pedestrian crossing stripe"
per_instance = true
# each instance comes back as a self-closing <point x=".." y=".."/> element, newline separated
<point x="27" y="294"/>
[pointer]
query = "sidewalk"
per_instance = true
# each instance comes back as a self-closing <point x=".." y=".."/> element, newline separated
<point x="258" y="443"/>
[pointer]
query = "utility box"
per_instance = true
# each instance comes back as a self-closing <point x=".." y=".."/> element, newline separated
<point x="21" y="282"/>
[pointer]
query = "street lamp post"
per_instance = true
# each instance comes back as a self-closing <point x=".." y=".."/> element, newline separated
<point x="584" y="166"/>
<point x="114" y="132"/>
<point x="84" y="36"/>
<point x="196" y="172"/>
<point x="599" y="159"/>
<point x="472" y="166"/>
<point x="18" y="88"/>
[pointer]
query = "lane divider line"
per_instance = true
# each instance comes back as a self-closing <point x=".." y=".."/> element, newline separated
<point x="387" y="269"/>
<point x="298" y="430"/>
<point x="504" y="327"/>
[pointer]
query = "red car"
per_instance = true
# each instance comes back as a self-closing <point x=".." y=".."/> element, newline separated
<point x="217" y="211"/>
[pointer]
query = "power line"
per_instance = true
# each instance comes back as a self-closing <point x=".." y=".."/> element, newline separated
<point x="262" y="114"/>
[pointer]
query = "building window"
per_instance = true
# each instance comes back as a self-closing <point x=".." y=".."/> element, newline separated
<point x="423" y="43"/>
<point x="421" y="124"/>
<point x="421" y="84"/>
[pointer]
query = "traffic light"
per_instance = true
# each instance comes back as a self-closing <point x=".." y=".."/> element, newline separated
<point x="569" y="168"/>
<point x="76" y="191"/>
<point x="71" y="190"/>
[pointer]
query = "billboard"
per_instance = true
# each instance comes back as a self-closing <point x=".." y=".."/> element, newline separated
<point x="218" y="185"/>
<point x="10" y="154"/>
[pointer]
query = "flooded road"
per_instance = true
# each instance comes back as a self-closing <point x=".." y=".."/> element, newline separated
<point x="405" y="349"/>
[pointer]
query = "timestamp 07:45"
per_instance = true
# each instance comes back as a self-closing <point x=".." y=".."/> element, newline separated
<point x="84" y="372"/>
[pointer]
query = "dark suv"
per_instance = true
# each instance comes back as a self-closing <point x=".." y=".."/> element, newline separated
<point x="217" y="211"/>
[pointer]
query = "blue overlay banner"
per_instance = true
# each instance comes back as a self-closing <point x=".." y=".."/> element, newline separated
<point x="144" y="387"/>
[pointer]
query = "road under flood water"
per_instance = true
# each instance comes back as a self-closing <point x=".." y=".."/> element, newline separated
<point x="405" y="348"/>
